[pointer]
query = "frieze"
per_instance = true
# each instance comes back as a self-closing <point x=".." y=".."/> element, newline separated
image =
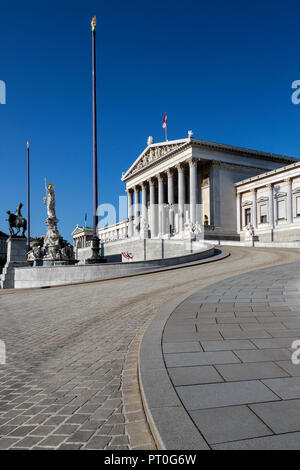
<point x="153" y="154"/>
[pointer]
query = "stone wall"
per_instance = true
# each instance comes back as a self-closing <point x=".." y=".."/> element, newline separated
<point x="55" y="275"/>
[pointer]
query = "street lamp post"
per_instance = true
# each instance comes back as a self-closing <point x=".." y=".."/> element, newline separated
<point x="28" y="197"/>
<point x="95" y="240"/>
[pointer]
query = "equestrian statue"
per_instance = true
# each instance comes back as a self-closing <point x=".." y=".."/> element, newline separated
<point x="17" y="221"/>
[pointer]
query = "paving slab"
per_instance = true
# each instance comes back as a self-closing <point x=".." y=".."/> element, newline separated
<point x="289" y="441"/>
<point x="194" y="375"/>
<point x="195" y="397"/>
<point x="282" y="416"/>
<point x="250" y="371"/>
<point x="200" y="358"/>
<point x="229" y="424"/>
<point x="286" y="388"/>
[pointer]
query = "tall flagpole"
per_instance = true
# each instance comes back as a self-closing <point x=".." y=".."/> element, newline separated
<point x="95" y="240"/>
<point x="28" y="198"/>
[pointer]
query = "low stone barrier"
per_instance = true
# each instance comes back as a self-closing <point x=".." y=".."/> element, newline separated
<point x="58" y="275"/>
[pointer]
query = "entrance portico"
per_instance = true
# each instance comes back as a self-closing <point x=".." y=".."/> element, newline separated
<point x="173" y="178"/>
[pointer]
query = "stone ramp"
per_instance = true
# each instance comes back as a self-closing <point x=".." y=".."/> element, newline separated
<point x="223" y="378"/>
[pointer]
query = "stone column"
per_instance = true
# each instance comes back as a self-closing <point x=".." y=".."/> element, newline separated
<point x="238" y="212"/>
<point x="171" y="201"/>
<point x="211" y="195"/>
<point x="254" y="208"/>
<point x="144" y="228"/>
<point x="136" y="210"/>
<point x="130" y="213"/>
<point x="152" y="208"/>
<point x="161" y="209"/>
<point x="193" y="190"/>
<point x="289" y="205"/>
<point x="271" y="205"/>
<point x="275" y="212"/>
<point x="181" y="196"/>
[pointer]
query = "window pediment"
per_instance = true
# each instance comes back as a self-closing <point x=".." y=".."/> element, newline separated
<point x="247" y="203"/>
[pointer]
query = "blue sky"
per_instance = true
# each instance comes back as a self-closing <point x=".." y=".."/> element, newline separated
<point x="222" y="69"/>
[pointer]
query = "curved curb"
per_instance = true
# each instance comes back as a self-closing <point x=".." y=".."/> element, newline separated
<point x="221" y="255"/>
<point x="169" y="422"/>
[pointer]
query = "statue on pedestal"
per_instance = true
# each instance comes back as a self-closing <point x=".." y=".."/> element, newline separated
<point x="17" y="221"/>
<point x="53" y="237"/>
<point x="53" y="249"/>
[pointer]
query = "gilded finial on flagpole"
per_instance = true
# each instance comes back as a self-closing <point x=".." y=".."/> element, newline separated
<point x="28" y="144"/>
<point x="93" y="23"/>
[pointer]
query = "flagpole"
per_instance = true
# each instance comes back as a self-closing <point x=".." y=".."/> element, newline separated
<point x="28" y="198"/>
<point x="95" y="240"/>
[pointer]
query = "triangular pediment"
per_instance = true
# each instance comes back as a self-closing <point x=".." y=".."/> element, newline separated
<point x="153" y="153"/>
<point x="81" y="230"/>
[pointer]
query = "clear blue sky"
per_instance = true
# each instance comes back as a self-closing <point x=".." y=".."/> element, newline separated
<point x="222" y="69"/>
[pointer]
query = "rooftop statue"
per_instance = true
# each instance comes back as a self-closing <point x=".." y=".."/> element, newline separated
<point x="17" y="221"/>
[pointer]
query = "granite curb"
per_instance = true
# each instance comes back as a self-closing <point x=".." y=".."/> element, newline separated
<point x="168" y="420"/>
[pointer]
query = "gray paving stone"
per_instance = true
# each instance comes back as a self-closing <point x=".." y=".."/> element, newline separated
<point x="22" y="431"/>
<point x="163" y="393"/>
<point x="7" y="442"/>
<point x="201" y="358"/>
<point x="80" y="436"/>
<point x="66" y="429"/>
<point x="250" y="371"/>
<point x="194" y="375"/>
<point x="290" y="368"/>
<point x="229" y="424"/>
<point x="263" y="355"/>
<point x="177" y="429"/>
<point x="286" y="388"/>
<point x="52" y="441"/>
<point x="27" y="443"/>
<point x="273" y="343"/>
<point x="227" y="345"/>
<point x="281" y="417"/>
<point x="196" y="397"/>
<point x="289" y="441"/>
<point x="98" y="442"/>
<point x="190" y="346"/>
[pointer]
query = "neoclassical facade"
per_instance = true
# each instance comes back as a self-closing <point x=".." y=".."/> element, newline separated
<point x="186" y="182"/>
<point x="270" y="205"/>
<point x="170" y="180"/>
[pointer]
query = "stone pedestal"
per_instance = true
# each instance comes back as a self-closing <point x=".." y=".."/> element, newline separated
<point x="16" y="258"/>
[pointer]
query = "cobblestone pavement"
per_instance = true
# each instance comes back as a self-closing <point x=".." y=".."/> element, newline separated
<point x="70" y="379"/>
<point x="228" y="353"/>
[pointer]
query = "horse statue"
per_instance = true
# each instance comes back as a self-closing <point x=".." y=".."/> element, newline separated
<point x="17" y="221"/>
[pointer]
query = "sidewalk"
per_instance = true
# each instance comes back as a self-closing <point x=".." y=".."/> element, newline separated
<point x="225" y="379"/>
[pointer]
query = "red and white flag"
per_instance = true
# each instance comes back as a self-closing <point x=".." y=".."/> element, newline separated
<point x="164" y="124"/>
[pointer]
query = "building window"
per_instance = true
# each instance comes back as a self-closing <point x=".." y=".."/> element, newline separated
<point x="248" y="216"/>
<point x="297" y="205"/>
<point x="281" y="209"/>
<point x="263" y="213"/>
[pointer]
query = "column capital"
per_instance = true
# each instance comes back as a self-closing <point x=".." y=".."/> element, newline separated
<point x="288" y="180"/>
<point x="170" y="172"/>
<point x="160" y="177"/>
<point x="151" y="181"/>
<point x="180" y="167"/>
<point x="137" y="188"/>
<point x="144" y="185"/>
<point x="129" y="191"/>
<point x="270" y="185"/>
<point x="192" y="161"/>
<point x="253" y="190"/>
